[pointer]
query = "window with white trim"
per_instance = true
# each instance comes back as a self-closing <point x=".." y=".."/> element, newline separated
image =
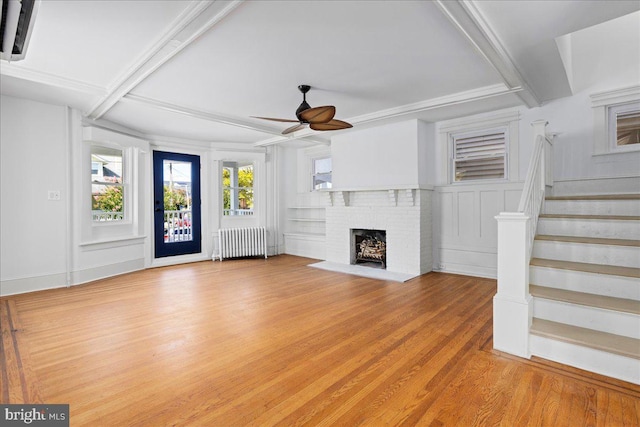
<point x="616" y="121"/>
<point x="237" y="188"/>
<point x="624" y="126"/>
<point x="480" y="155"/>
<point x="321" y="175"/>
<point x="107" y="184"/>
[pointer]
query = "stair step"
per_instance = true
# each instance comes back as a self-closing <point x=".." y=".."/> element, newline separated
<point x="597" y="197"/>
<point x="591" y="300"/>
<point x="576" y="206"/>
<point x="615" y="255"/>
<point x="599" y="226"/>
<point x="589" y="240"/>
<point x="616" y="344"/>
<point x="590" y="268"/>
<point x="582" y="281"/>
<point x="589" y="217"/>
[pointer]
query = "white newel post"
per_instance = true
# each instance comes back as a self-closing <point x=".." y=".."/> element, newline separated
<point x="512" y="304"/>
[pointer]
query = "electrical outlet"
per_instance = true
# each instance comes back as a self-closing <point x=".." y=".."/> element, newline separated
<point x="440" y="267"/>
<point x="53" y="195"/>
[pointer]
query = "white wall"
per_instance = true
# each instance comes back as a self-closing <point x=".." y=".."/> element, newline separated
<point x="388" y="156"/>
<point x="573" y="120"/>
<point x="33" y="153"/>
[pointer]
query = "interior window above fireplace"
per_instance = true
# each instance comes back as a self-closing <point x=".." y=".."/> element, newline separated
<point x="321" y="173"/>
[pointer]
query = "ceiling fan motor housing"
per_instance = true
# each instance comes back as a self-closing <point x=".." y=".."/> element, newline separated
<point x="304" y="105"/>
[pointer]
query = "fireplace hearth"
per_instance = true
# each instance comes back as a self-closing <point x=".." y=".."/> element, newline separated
<point x="369" y="248"/>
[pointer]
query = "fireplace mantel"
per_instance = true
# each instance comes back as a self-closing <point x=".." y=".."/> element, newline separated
<point x="341" y="196"/>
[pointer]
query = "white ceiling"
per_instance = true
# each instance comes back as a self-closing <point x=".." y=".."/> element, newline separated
<point x="198" y="70"/>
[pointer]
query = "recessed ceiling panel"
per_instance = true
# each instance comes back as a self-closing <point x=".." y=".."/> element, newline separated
<point x="96" y="41"/>
<point x="528" y="29"/>
<point x="361" y="56"/>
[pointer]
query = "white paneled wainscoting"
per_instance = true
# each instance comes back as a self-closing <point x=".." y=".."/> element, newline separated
<point x="465" y="230"/>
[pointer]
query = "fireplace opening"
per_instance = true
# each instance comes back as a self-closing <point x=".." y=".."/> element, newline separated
<point x="369" y="248"/>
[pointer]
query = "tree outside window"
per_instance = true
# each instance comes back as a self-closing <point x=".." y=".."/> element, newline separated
<point x="107" y="185"/>
<point x="237" y="189"/>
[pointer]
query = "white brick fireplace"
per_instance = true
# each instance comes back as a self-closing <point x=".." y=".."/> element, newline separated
<point x="404" y="213"/>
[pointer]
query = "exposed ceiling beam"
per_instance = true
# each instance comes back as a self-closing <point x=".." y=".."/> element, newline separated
<point x="198" y="18"/>
<point x="212" y="117"/>
<point x="21" y="72"/>
<point x="471" y="23"/>
<point x="410" y="109"/>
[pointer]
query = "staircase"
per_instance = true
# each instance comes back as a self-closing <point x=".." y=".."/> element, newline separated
<point x="584" y="278"/>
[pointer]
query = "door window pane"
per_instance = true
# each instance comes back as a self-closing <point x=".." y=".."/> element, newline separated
<point x="177" y="201"/>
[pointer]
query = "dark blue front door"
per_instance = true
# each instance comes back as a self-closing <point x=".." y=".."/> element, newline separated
<point x="176" y="204"/>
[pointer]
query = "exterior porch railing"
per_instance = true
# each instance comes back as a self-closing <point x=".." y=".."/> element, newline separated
<point x="106" y="216"/>
<point x="512" y="306"/>
<point x="237" y="212"/>
<point x="177" y="226"/>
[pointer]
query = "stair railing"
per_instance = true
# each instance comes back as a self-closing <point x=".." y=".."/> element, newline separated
<point x="512" y="308"/>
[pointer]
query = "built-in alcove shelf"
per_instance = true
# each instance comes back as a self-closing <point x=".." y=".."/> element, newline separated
<point x="306" y="214"/>
<point x="305" y="235"/>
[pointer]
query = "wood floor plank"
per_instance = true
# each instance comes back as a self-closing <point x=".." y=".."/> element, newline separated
<point x="274" y="342"/>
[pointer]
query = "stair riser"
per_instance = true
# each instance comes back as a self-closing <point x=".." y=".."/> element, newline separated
<point x="580" y="281"/>
<point x="593" y="207"/>
<point x="610" y="229"/>
<point x="624" y="256"/>
<point x="613" y="322"/>
<point x="612" y="365"/>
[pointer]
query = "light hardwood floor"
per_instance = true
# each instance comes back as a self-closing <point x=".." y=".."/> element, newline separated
<point x="274" y="342"/>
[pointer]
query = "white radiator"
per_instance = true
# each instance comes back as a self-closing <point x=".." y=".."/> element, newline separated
<point x="240" y="242"/>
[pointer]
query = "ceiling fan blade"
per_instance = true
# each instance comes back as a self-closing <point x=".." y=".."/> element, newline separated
<point x="318" y="114"/>
<point x="277" y="120"/>
<point x="331" y="125"/>
<point x="294" y="128"/>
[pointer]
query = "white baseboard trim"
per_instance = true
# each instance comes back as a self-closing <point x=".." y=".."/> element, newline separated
<point x="105" y="271"/>
<point x="32" y="284"/>
<point x="180" y="259"/>
<point x="468" y="270"/>
<point x="59" y="280"/>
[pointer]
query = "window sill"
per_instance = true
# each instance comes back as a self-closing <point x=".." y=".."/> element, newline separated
<point x="112" y="243"/>
<point x="617" y="152"/>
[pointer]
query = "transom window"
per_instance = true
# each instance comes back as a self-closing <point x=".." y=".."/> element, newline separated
<point x="480" y="155"/>
<point x="107" y="184"/>
<point x="237" y="188"/>
<point x="321" y="173"/>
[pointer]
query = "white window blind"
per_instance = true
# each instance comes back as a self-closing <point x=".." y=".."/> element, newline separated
<point x="481" y="155"/>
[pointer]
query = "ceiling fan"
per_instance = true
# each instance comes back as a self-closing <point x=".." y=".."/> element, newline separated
<point x="317" y="118"/>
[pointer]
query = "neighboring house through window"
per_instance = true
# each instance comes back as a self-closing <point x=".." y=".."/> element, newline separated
<point x="107" y="184"/>
<point x="321" y="173"/>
